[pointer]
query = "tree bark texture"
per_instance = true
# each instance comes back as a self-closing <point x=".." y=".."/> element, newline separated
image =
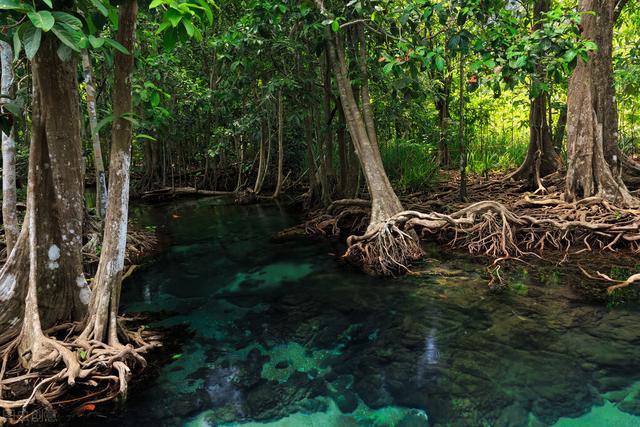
<point x="589" y="120"/>
<point x="103" y="310"/>
<point x="9" y="196"/>
<point x="55" y="186"/>
<point x="541" y="159"/>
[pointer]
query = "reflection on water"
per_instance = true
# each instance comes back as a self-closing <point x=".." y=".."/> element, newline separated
<point x="286" y="336"/>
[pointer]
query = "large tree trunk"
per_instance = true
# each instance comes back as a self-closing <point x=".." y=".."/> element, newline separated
<point x="101" y="322"/>
<point x="383" y="249"/>
<point x="384" y="201"/>
<point x="9" y="197"/>
<point x="367" y="110"/>
<point x="55" y="211"/>
<point x="101" y="179"/>
<point x="589" y="127"/>
<point x="542" y="159"/>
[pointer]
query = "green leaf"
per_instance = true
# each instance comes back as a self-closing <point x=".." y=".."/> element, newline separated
<point x="96" y="42"/>
<point x="48" y="3"/>
<point x="101" y="7"/>
<point x="12" y="5"/>
<point x="43" y="20"/>
<point x="207" y="10"/>
<point x="67" y="35"/>
<point x="155" y="99"/>
<point x="170" y="38"/>
<point x="188" y="25"/>
<point x="156" y="3"/>
<point x="335" y="26"/>
<point x="31" y="40"/>
<point x="569" y="55"/>
<point x="17" y="45"/>
<point x="176" y="356"/>
<point x="454" y="42"/>
<point x="13" y="108"/>
<point x="117" y="46"/>
<point x="173" y="16"/>
<point x="589" y="45"/>
<point x="145" y="136"/>
<point x="102" y="123"/>
<point x="64" y="52"/>
<point x="68" y="19"/>
<point x="84" y="43"/>
<point x="439" y="63"/>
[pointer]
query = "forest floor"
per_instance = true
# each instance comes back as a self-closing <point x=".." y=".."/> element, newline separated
<point x="499" y="219"/>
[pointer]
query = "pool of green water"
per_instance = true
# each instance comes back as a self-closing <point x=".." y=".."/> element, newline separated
<point x="283" y="334"/>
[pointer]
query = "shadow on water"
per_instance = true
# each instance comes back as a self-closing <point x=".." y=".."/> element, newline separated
<point x="285" y="335"/>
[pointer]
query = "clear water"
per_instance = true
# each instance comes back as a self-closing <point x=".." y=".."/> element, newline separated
<point x="285" y="335"/>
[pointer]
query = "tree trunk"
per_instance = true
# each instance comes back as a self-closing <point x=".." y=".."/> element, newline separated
<point x="101" y="179"/>
<point x="278" y="189"/>
<point x="9" y="197"/>
<point x="384" y="202"/>
<point x="442" y="106"/>
<point x="367" y="110"/>
<point x="542" y="159"/>
<point x="313" y="171"/>
<point x="461" y="142"/>
<point x="102" y="317"/>
<point x="262" y="162"/>
<point x="561" y="129"/>
<point x="240" y="154"/>
<point x="55" y="210"/>
<point x="589" y="127"/>
<point x="326" y="109"/>
<point x="323" y="167"/>
<point x="343" y="153"/>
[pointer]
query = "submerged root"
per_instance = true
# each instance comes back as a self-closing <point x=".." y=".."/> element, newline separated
<point x="78" y="370"/>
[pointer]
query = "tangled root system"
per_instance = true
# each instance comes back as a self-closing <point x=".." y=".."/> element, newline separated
<point x="74" y="373"/>
<point x="509" y="226"/>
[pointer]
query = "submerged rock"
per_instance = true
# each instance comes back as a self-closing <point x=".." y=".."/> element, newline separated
<point x="347" y="401"/>
<point x="414" y="419"/>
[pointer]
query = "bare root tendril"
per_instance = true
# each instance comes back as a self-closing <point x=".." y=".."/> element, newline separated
<point x="80" y="371"/>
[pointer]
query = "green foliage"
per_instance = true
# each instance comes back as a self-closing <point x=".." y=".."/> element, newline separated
<point x="411" y="166"/>
<point x="181" y="19"/>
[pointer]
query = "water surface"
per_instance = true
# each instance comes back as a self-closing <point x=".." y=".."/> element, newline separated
<point x="283" y="334"/>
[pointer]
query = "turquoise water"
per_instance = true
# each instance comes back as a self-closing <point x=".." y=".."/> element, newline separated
<point x="283" y="334"/>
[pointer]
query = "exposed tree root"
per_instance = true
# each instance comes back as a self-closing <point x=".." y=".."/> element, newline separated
<point x="618" y="283"/>
<point x="385" y="249"/>
<point x="78" y="370"/>
<point x="511" y="225"/>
